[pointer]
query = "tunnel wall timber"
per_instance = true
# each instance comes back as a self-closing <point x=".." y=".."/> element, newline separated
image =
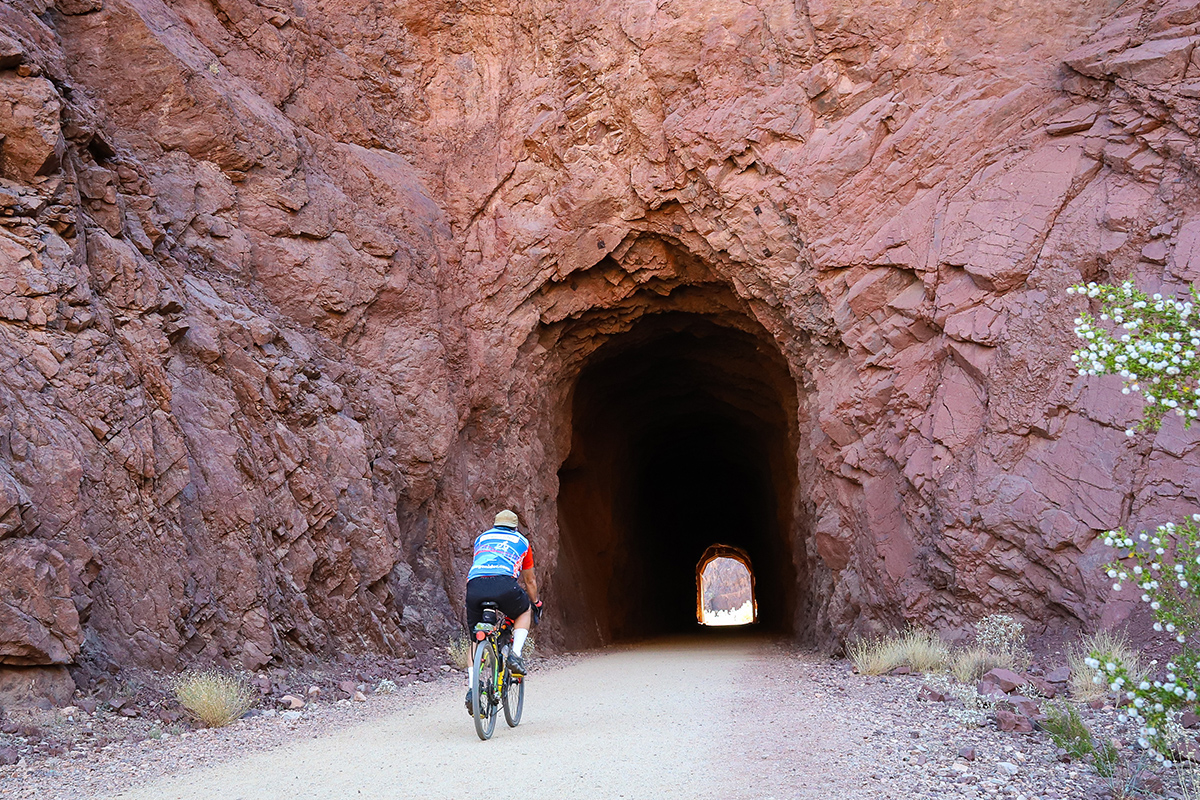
<point x="293" y="297"/>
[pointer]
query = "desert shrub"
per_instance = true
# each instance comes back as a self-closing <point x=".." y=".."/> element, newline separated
<point x="918" y="649"/>
<point x="1004" y="637"/>
<point x="1165" y="566"/>
<point x="999" y="642"/>
<point x="1187" y="772"/>
<point x="1188" y="775"/>
<point x="213" y="698"/>
<point x="1151" y="342"/>
<point x="458" y="648"/>
<point x="924" y="651"/>
<point x="1107" y="646"/>
<point x="1068" y="730"/>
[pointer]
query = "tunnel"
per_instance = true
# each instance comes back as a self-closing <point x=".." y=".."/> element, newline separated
<point x="682" y="436"/>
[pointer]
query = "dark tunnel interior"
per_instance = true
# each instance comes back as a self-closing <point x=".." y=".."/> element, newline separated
<point x="682" y="437"/>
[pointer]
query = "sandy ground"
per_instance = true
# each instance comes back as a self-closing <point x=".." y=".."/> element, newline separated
<point x="633" y="723"/>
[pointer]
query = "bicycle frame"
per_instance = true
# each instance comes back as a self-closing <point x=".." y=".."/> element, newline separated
<point x="494" y="691"/>
<point x="489" y="689"/>
<point x="492" y="635"/>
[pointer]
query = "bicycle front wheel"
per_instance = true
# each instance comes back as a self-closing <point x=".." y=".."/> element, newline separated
<point x="483" y="698"/>
<point x="514" y="698"/>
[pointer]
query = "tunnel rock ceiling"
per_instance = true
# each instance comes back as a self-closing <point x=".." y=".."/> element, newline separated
<point x="293" y="297"/>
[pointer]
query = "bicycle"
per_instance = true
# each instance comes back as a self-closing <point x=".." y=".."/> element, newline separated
<point x="495" y="686"/>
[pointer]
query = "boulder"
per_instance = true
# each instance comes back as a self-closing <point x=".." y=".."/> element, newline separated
<point x="26" y="688"/>
<point x="1007" y="680"/>
<point x="988" y="688"/>
<point x="1059" y="675"/>
<point x="291" y="701"/>
<point x="1026" y="706"/>
<point x="927" y="692"/>
<point x="1044" y="688"/>
<point x="1013" y="722"/>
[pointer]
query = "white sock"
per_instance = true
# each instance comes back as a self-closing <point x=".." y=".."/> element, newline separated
<point x="519" y="636"/>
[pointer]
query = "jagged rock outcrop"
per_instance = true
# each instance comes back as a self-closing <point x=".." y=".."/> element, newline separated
<point x="292" y="298"/>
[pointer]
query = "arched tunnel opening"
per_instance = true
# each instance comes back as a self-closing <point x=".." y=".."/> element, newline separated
<point x="725" y="587"/>
<point x="683" y="436"/>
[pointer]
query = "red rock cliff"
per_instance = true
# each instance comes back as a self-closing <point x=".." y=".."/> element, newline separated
<point x="293" y="296"/>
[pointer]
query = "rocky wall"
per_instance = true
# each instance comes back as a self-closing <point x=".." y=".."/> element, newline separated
<point x="293" y="296"/>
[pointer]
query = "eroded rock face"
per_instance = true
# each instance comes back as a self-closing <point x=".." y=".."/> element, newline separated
<point x="292" y="299"/>
<point x="39" y="620"/>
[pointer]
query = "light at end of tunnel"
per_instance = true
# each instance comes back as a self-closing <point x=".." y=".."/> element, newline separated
<point x="725" y="588"/>
<point x="743" y="615"/>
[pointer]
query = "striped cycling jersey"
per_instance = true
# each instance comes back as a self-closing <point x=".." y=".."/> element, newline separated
<point x="501" y="551"/>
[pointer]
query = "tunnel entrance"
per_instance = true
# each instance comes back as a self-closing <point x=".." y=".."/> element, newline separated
<point x="683" y="433"/>
<point x="725" y="587"/>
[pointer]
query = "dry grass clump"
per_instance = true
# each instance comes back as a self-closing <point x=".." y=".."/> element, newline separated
<point x="213" y="698"/>
<point x="999" y="642"/>
<point x="458" y="648"/>
<point x="1109" y="646"/>
<point x="973" y="663"/>
<point x="919" y="650"/>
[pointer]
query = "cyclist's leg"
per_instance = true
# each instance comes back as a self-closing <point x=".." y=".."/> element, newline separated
<point x="521" y="630"/>
<point x="515" y="603"/>
<point x="474" y="600"/>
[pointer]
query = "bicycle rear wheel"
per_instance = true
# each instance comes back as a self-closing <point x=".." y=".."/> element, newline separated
<point x="513" y="697"/>
<point x="485" y="670"/>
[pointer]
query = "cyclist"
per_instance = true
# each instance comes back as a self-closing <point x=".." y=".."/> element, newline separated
<point x="502" y="557"/>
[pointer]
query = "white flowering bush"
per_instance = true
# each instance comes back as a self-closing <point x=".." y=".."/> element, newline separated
<point x="1164" y="567"/>
<point x="1004" y="636"/>
<point x="1150" y="341"/>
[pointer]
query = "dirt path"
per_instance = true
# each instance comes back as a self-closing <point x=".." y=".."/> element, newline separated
<point x="634" y="723"/>
<point x="719" y="717"/>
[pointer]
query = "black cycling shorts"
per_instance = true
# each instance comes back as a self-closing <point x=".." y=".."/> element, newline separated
<point x="503" y="590"/>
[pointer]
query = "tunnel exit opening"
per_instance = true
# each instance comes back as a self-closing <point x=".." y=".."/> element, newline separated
<point x="725" y="588"/>
<point x="683" y="433"/>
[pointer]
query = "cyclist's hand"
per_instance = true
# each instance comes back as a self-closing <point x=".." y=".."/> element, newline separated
<point x="537" y="612"/>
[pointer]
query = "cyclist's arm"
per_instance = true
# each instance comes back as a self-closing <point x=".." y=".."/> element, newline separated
<point x="530" y="584"/>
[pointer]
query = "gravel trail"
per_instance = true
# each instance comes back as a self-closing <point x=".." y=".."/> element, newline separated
<point x="633" y="723"/>
<point x="724" y="716"/>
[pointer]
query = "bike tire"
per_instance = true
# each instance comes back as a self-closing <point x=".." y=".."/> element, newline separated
<point x="513" y="697"/>
<point x="483" y="704"/>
